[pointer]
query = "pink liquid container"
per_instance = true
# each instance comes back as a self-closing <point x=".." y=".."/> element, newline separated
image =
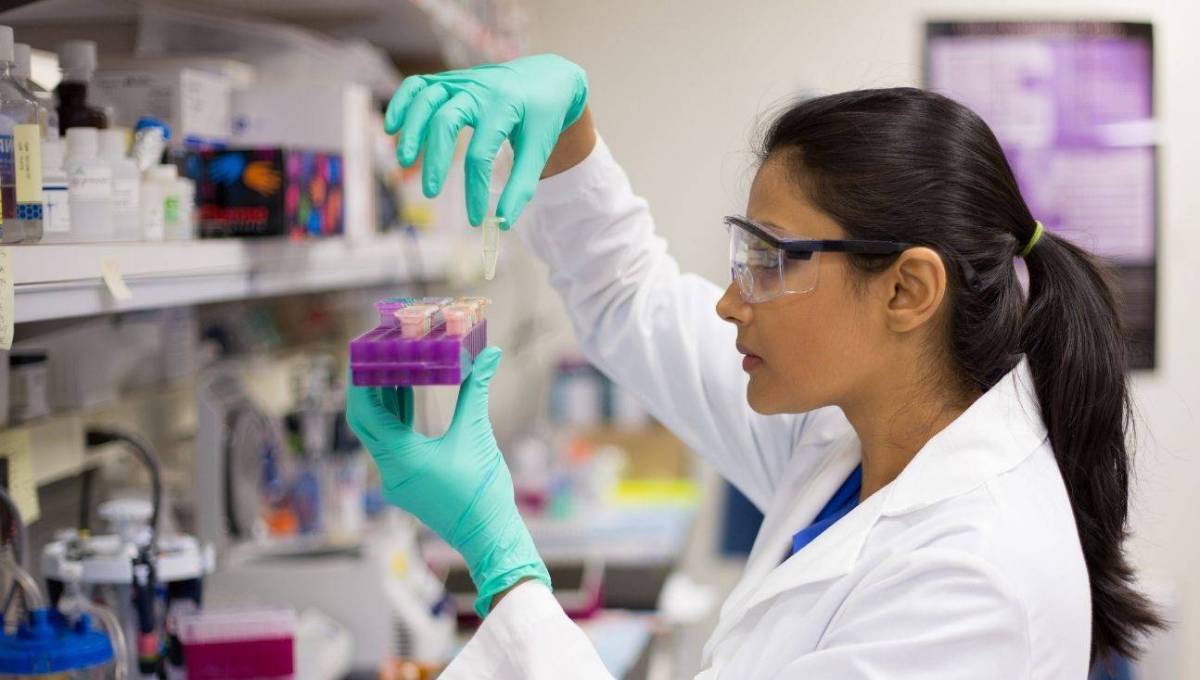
<point x="239" y="644"/>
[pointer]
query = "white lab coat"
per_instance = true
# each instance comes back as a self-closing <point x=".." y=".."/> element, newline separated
<point x="968" y="565"/>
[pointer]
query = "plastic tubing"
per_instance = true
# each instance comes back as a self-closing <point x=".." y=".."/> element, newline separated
<point x="20" y="541"/>
<point x="24" y="581"/>
<point x="21" y="578"/>
<point x="116" y="635"/>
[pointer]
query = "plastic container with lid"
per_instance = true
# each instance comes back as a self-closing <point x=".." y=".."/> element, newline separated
<point x="20" y="153"/>
<point x="77" y="59"/>
<point x="127" y="182"/>
<point x="238" y="643"/>
<point x="89" y="179"/>
<point x="47" y="646"/>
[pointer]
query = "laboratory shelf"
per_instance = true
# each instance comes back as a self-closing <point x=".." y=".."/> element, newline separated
<point x="55" y="281"/>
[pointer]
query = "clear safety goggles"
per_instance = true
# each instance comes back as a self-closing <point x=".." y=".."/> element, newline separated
<point x="766" y="263"/>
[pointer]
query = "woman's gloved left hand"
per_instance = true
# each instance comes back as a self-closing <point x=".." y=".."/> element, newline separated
<point x="457" y="484"/>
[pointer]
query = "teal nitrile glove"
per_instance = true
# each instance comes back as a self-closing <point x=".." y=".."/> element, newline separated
<point x="528" y="101"/>
<point x="457" y="484"/>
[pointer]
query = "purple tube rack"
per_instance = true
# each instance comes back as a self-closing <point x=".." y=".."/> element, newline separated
<point x="380" y="357"/>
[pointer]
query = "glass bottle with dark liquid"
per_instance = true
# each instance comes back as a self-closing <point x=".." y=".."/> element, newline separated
<point x="77" y="59"/>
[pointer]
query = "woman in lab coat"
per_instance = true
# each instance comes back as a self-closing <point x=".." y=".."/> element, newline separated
<point x="940" y="458"/>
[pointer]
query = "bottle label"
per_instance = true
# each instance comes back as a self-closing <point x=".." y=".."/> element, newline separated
<point x="91" y="184"/>
<point x="57" y="215"/>
<point x="27" y="158"/>
<point x="171" y="210"/>
<point x="153" y="227"/>
<point x="125" y="194"/>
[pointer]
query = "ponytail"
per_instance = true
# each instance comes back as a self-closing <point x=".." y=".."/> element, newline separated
<point x="1072" y="339"/>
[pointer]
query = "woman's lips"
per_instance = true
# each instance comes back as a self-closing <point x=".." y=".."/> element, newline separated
<point x="751" y="360"/>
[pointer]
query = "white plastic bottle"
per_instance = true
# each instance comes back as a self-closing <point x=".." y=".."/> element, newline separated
<point x="187" y="208"/>
<point x="153" y="218"/>
<point x="89" y="179"/>
<point x="56" y="207"/>
<point x="167" y="177"/>
<point x="126" y="213"/>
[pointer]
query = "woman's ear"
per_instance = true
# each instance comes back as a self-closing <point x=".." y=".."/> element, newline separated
<point x="916" y="285"/>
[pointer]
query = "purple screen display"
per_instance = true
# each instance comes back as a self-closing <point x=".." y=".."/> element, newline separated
<point x="1072" y="105"/>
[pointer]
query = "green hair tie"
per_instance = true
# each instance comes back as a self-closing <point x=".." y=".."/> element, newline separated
<point x="1037" y="236"/>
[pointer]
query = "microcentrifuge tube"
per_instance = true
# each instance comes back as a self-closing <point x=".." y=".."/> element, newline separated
<point x="491" y="245"/>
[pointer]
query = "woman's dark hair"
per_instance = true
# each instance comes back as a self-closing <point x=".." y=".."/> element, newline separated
<point x="909" y="165"/>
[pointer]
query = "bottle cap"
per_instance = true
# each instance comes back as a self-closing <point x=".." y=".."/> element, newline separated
<point x="125" y="510"/>
<point x="147" y="122"/>
<point x="77" y="57"/>
<point x="129" y="518"/>
<point x="83" y="142"/>
<point x="6" y="44"/>
<point x="113" y="142"/>
<point x="22" y="55"/>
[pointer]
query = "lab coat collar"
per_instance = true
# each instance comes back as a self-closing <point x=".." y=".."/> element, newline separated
<point x="995" y="434"/>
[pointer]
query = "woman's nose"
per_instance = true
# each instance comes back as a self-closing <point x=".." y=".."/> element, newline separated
<point x="732" y="308"/>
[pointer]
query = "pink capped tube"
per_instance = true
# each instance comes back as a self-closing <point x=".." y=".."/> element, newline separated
<point x="416" y="320"/>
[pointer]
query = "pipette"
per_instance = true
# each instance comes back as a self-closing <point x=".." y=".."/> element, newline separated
<point x="491" y="245"/>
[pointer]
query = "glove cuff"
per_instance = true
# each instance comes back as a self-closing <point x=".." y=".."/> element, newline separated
<point x="510" y="559"/>
<point x="580" y="102"/>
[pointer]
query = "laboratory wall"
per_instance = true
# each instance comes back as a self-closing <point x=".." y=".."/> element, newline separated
<point x="680" y="89"/>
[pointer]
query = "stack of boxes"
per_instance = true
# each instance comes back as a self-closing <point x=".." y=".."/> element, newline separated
<point x="268" y="160"/>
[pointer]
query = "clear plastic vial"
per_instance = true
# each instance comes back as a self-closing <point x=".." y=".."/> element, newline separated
<point x="89" y="179"/>
<point x="20" y="154"/>
<point x="126" y="207"/>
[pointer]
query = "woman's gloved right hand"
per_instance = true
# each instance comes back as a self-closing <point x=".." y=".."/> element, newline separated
<point x="528" y="101"/>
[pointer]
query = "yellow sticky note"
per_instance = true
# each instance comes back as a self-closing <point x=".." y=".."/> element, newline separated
<point x="115" y="281"/>
<point x="16" y="446"/>
<point x="7" y="301"/>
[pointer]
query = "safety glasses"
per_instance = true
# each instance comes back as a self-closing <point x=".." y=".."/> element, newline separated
<point x="767" y="263"/>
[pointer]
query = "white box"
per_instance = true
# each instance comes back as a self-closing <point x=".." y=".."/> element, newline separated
<point x="331" y="117"/>
<point x="194" y="103"/>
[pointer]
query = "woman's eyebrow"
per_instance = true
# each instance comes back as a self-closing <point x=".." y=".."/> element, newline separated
<point x="775" y="229"/>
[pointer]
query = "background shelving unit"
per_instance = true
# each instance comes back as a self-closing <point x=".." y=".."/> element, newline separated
<point x="61" y="281"/>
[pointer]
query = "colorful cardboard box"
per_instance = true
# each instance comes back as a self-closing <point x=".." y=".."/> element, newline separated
<point x="268" y="192"/>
